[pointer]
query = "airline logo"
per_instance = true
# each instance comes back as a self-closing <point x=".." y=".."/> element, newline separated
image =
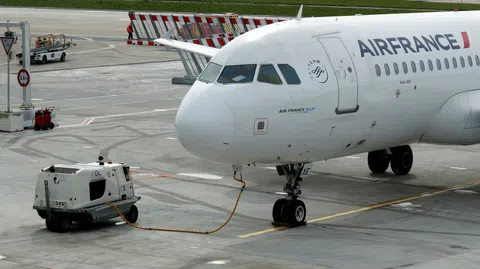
<point x="318" y="71"/>
<point x="414" y="44"/>
<point x="297" y="110"/>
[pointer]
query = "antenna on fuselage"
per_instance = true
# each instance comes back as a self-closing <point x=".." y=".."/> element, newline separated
<point x="299" y="15"/>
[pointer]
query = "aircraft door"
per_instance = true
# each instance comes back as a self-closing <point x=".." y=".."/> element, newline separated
<point x="345" y="74"/>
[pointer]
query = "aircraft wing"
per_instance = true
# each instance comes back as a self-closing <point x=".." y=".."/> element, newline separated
<point x="190" y="47"/>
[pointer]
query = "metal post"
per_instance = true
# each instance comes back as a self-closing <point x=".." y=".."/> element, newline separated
<point x="197" y="65"/>
<point x="8" y="82"/>
<point x="198" y="26"/>
<point x="154" y="26"/>
<point x="27" y="91"/>
<point x="185" y="64"/>
<point x="47" y="200"/>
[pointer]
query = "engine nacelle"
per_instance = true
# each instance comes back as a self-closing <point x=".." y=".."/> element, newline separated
<point x="457" y="122"/>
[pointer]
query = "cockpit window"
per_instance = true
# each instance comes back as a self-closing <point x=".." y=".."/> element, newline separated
<point x="237" y="74"/>
<point x="289" y="74"/>
<point x="210" y="73"/>
<point x="268" y="74"/>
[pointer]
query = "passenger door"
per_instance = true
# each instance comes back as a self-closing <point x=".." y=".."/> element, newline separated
<point x="345" y="74"/>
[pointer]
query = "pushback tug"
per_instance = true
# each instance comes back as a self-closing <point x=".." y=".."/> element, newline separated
<point x="79" y="193"/>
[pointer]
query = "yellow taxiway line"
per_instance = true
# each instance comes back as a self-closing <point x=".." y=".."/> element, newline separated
<point x="376" y="206"/>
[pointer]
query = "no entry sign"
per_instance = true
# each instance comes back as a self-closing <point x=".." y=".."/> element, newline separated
<point x="23" y="77"/>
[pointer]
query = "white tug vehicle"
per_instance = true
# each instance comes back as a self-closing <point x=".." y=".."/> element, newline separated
<point x="79" y="193"/>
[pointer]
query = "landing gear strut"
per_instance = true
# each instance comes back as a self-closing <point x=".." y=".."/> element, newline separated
<point x="400" y="160"/>
<point x="289" y="210"/>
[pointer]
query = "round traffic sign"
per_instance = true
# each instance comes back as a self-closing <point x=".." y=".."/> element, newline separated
<point x="23" y="77"/>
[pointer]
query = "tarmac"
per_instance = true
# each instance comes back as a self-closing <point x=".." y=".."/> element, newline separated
<point x="119" y="102"/>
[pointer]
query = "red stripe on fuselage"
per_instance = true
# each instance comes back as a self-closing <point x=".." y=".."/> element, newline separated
<point x="466" y="41"/>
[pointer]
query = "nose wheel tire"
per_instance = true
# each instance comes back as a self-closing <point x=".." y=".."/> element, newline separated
<point x="291" y="213"/>
<point x="280" y="210"/>
<point x="297" y="213"/>
<point x="402" y="160"/>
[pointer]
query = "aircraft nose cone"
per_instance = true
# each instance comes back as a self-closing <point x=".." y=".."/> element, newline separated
<point x="205" y="129"/>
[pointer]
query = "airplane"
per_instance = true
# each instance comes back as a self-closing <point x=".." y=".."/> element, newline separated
<point x="312" y="89"/>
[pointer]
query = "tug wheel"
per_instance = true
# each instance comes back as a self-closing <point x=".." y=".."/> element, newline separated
<point x="42" y="214"/>
<point x="132" y="215"/>
<point x="58" y="224"/>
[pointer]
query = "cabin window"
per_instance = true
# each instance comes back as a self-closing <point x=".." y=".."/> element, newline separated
<point x="477" y="60"/>
<point x="210" y="72"/>
<point x="470" y="61"/>
<point x="430" y="65"/>
<point x="405" y="67"/>
<point x="462" y="61"/>
<point x="60" y="170"/>
<point x="268" y="74"/>
<point x="454" y="61"/>
<point x="414" y="67"/>
<point x="447" y="64"/>
<point x="395" y="67"/>
<point x="126" y="172"/>
<point x="97" y="189"/>
<point x="289" y="74"/>
<point x="387" y="69"/>
<point x="237" y="74"/>
<point x="422" y="66"/>
<point x="377" y="69"/>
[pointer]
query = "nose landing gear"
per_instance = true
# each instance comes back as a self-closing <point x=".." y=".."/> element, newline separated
<point x="290" y="211"/>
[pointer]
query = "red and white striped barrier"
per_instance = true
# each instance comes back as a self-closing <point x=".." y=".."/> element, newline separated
<point x="217" y="42"/>
<point x="148" y="27"/>
<point x="213" y="31"/>
<point x="212" y="42"/>
<point x="142" y="43"/>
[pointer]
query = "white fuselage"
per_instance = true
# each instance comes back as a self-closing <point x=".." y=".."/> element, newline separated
<point x="341" y="107"/>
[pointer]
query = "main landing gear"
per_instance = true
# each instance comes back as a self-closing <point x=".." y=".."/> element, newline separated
<point x="289" y="210"/>
<point x="399" y="158"/>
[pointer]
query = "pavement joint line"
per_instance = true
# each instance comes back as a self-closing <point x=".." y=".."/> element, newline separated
<point x="372" y="207"/>
<point x="102" y="66"/>
<point x="102" y="96"/>
<point x="87" y="121"/>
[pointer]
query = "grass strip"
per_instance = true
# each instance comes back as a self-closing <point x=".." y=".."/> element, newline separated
<point x="400" y="4"/>
<point x="208" y="7"/>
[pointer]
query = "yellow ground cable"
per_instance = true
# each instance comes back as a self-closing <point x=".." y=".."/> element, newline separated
<point x="187" y="231"/>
